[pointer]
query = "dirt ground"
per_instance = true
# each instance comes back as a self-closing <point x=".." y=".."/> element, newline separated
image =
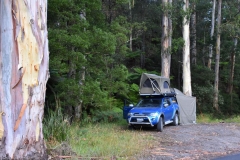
<point x="195" y="142"/>
<point x="184" y="142"/>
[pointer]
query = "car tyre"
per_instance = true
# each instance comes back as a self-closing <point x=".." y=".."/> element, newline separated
<point x="160" y="124"/>
<point x="175" y="120"/>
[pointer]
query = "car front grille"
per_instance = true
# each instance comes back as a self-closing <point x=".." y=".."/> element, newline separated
<point x="134" y="119"/>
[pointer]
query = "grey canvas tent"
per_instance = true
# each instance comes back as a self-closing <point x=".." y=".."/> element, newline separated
<point x="187" y="105"/>
<point x="151" y="84"/>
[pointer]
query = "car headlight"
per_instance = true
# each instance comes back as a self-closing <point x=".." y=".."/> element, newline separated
<point x="154" y="114"/>
<point x="130" y="114"/>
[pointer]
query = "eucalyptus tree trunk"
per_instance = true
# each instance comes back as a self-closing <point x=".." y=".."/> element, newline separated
<point x="143" y="44"/>
<point x="78" y="108"/>
<point x="130" y="4"/>
<point x="187" y="87"/>
<point x="193" y="35"/>
<point x="143" y="48"/>
<point x="24" y="72"/>
<point x="232" y="60"/>
<point x="232" y="63"/>
<point x="169" y="35"/>
<point x="165" y="47"/>
<point x="204" y="48"/>
<point x="216" y="81"/>
<point x="211" y="35"/>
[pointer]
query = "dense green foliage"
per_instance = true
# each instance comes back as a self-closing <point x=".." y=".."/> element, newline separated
<point x="92" y="65"/>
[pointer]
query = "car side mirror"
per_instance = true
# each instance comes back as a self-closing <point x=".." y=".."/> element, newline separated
<point x="131" y="105"/>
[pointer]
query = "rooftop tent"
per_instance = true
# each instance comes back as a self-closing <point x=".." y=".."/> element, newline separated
<point x="151" y="84"/>
<point x="187" y="105"/>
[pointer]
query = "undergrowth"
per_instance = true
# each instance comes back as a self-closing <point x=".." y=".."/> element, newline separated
<point x="107" y="138"/>
<point x="55" y="127"/>
<point x="210" y="118"/>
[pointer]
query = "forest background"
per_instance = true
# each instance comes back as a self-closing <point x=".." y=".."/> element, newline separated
<point x="99" y="49"/>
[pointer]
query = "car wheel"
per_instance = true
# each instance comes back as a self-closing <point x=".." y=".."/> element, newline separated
<point x="175" y="120"/>
<point x="160" y="124"/>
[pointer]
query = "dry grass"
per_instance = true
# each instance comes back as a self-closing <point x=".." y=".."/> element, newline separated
<point x="109" y="140"/>
<point x="207" y="118"/>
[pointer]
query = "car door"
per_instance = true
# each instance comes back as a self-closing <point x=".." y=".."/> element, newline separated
<point x="171" y="108"/>
<point x="167" y="109"/>
<point x="126" y="108"/>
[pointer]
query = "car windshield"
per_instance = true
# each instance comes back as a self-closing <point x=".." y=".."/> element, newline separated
<point x="149" y="103"/>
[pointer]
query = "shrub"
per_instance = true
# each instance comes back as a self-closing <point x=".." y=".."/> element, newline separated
<point x="231" y="104"/>
<point x="101" y="116"/>
<point x="204" y="96"/>
<point x="55" y="126"/>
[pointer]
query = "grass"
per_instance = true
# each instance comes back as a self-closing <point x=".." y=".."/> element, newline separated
<point x="208" y="118"/>
<point x="108" y="140"/>
<point x="103" y="140"/>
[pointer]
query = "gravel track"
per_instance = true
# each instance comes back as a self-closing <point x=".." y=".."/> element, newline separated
<point x="195" y="142"/>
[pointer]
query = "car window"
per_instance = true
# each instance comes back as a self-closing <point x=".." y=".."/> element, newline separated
<point x="166" y="102"/>
<point x="149" y="103"/>
<point x="165" y="85"/>
<point x="174" y="100"/>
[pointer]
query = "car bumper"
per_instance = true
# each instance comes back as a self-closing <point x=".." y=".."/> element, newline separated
<point x="142" y="120"/>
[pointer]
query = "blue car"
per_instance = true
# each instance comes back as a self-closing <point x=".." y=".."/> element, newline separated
<point x="153" y="111"/>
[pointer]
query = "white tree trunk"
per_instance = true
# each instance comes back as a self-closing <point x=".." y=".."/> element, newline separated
<point x="216" y="81"/>
<point x="165" y="51"/>
<point x="232" y="66"/>
<point x="187" y="89"/>
<point x="24" y="73"/>
<point x="211" y="35"/>
<point x="213" y="19"/>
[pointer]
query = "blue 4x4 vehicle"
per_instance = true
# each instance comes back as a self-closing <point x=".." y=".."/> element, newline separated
<point x="153" y="111"/>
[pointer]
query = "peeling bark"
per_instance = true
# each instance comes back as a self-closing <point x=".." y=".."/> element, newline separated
<point x="24" y="73"/>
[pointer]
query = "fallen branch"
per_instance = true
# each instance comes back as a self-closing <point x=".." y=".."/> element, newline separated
<point x="111" y="158"/>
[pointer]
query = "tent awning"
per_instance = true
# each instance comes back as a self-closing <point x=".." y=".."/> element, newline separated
<point x="187" y="105"/>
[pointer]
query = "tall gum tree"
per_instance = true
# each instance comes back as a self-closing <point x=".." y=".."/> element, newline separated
<point x="166" y="40"/>
<point x="24" y="72"/>
<point x="193" y="35"/>
<point x="233" y="29"/>
<point x="211" y="35"/>
<point x="187" y="87"/>
<point x="232" y="66"/>
<point x="218" y="42"/>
